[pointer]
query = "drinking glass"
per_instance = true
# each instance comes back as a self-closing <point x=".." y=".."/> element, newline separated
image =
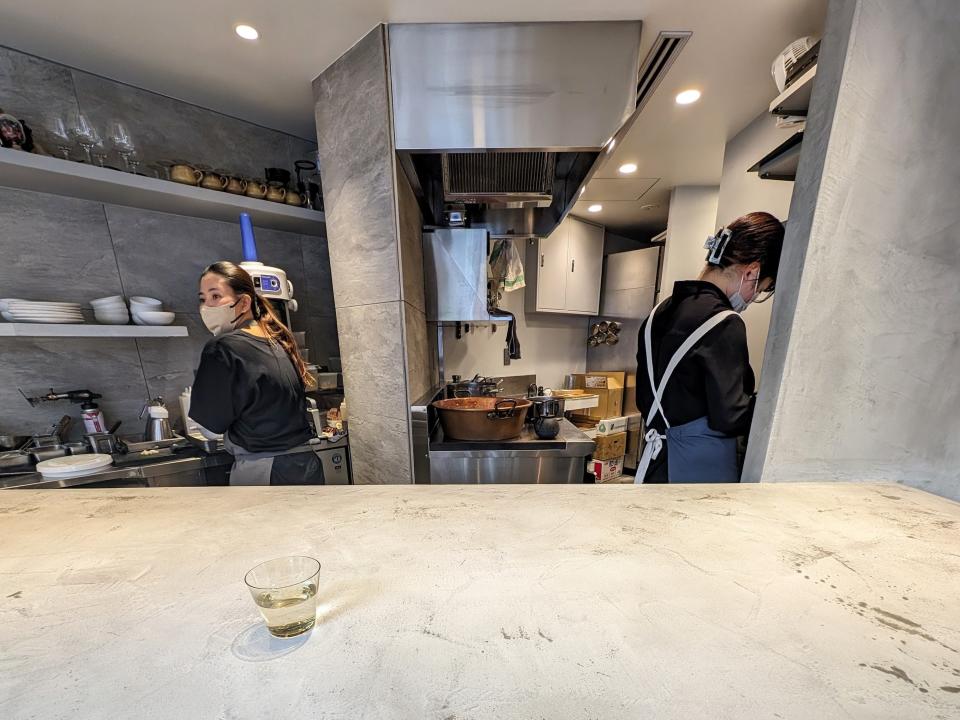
<point x="84" y="133"/>
<point x="62" y="137"/>
<point x="123" y="143"/>
<point x="285" y="591"/>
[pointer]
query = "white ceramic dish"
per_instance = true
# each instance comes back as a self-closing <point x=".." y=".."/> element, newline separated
<point x="114" y="321"/>
<point x="73" y="465"/>
<point x="148" y="301"/>
<point x="153" y="318"/>
<point x="35" y="305"/>
<point x="112" y="300"/>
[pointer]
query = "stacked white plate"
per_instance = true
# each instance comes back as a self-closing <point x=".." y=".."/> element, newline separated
<point x="29" y="311"/>
<point x="73" y="466"/>
<point x="111" y="310"/>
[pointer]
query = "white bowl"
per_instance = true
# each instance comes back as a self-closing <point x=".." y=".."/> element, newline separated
<point x="155" y="317"/>
<point x="113" y="319"/>
<point x="107" y="301"/>
<point x="148" y="301"/>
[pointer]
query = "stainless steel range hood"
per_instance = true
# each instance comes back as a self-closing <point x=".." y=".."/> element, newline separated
<point x="512" y="117"/>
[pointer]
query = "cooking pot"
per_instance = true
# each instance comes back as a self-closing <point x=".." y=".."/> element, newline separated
<point x="482" y="418"/>
<point x="545" y="406"/>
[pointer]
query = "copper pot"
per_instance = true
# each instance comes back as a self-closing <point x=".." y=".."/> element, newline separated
<point x="186" y="174"/>
<point x="255" y="189"/>
<point x="482" y="418"/>
<point x="214" y="181"/>
<point x="295" y="198"/>
<point x="276" y="193"/>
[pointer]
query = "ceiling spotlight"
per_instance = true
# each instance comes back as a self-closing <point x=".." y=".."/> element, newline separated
<point x="595" y="208"/>
<point x="628" y="168"/>
<point x="687" y="97"/>
<point x="247" y="32"/>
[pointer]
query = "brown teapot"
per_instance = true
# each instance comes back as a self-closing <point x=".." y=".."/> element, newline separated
<point x="213" y="181"/>
<point x="276" y="193"/>
<point x="236" y="185"/>
<point x="186" y="174"/>
<point x="255" y="189"/>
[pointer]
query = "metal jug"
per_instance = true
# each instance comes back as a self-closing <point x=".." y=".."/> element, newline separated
<point x="158" y="421"/>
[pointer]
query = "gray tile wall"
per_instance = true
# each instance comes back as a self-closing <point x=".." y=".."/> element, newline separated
<point x="58" y="248"/>
<point x="39" y="91"/>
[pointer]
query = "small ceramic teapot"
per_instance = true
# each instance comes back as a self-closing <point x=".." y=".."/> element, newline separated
<point x="255" y="189"/>
<point x="295" y="198"/>
<point x="276" y="193"/>
<point x="213" y="181"/>
<point x="186" y="174"/>
<point x="236" y="185"/>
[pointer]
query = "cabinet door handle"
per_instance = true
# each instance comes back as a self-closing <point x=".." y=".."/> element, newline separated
<point x="541" y="259"/>
<point x="572" y="264"/>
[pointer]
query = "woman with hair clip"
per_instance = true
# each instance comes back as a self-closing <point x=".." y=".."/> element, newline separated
<point x="694" y="381"/>
<point x="251" y="384"/>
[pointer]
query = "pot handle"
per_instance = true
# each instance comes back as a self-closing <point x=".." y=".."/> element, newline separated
<point x="499" y="412"/>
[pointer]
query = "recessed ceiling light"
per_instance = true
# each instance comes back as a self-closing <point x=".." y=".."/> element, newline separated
<point x="628" y="168"/>
<point x="595" y="208"/>
<point x="247" y="32"/>
<point x="687" y="97"/>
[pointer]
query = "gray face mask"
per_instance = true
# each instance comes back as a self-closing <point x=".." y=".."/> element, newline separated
<point x="737" y="301"/>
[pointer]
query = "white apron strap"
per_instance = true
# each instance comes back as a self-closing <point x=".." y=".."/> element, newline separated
<point x="653" y="439"/>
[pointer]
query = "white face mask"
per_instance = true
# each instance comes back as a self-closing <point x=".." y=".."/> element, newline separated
<point x="737" y="301"/>
<point x="220" y="319"/>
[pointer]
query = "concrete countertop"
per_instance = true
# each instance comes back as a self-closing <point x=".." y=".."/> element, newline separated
<point x="698" y="601"/>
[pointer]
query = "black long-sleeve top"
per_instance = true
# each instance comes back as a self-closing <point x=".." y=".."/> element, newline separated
<point x="248" y="387"/>
<point x="714" y="379"/>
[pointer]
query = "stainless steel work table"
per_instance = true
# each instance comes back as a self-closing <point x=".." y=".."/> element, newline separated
<point x="591" y="601"/>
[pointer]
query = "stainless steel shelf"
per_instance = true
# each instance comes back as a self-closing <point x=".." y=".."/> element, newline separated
<point x="39" y="173"/>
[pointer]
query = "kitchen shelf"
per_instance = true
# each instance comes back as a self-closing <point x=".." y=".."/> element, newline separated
<point x="795" y="100"/>
<point x="781" y="162"/>
<point x="41" y="330"/>
<point x="39" y="173"/>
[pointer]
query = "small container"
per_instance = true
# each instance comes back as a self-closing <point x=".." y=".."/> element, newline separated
<point x="76" y="448"/>
<point x="93" y="420"/>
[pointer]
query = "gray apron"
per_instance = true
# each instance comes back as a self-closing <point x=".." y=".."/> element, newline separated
<point x="251" y="468"/>
<point x="697" y="453"/>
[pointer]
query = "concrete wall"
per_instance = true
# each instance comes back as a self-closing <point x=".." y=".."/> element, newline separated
<point x="374" y="231"/>
<point x="691" y="217"/>
<point x="742" y="192"/>
<point x="866" y="338"/>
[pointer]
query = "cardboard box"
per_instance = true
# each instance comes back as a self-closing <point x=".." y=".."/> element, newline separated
<point x="608" y="470"/>
<point x="612" y="426"/>
<point x="608" y="386"/>
<point x="610" y="446"/>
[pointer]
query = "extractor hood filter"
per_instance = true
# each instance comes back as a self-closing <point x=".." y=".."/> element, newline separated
<point x="506" y="178"/>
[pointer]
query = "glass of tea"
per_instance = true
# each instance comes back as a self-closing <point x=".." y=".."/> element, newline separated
<point x="285" y="591"/>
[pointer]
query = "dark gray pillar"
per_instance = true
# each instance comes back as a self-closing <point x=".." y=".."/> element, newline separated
<point x="374" y="234"/>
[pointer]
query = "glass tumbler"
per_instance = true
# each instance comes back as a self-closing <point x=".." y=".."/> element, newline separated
<point x="285" y="591"/>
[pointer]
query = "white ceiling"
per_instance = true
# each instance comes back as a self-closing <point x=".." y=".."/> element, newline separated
<point x="187" y="49"/>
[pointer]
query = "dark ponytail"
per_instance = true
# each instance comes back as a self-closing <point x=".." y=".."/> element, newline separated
<point x="264" y="315"/>
<point x="754" y="237"/>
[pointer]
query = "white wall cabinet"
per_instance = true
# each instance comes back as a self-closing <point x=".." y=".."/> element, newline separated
<point x="563" y="270"/>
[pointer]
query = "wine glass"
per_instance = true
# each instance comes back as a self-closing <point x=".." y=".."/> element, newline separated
<point x="123" y="143"/>
<point x="62" y="137"/>
<point x="84" y="133"/>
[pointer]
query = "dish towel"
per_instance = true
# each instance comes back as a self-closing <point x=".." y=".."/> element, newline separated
<point x="506" y="267"/>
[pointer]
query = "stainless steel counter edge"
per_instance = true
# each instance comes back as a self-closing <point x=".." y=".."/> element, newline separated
<point x="575" y="443"/>
<point x="169" y="466"/>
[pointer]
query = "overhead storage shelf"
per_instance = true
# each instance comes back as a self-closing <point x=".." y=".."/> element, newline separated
<point x="781" y="163"/>
<point x="795" y="100"/>
<point x="41" y="330"/>
<point x="26" y="171"/>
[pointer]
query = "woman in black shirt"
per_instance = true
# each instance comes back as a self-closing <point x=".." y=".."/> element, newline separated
<point x="251" y="384"/>
<point x="694" y="381"/>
